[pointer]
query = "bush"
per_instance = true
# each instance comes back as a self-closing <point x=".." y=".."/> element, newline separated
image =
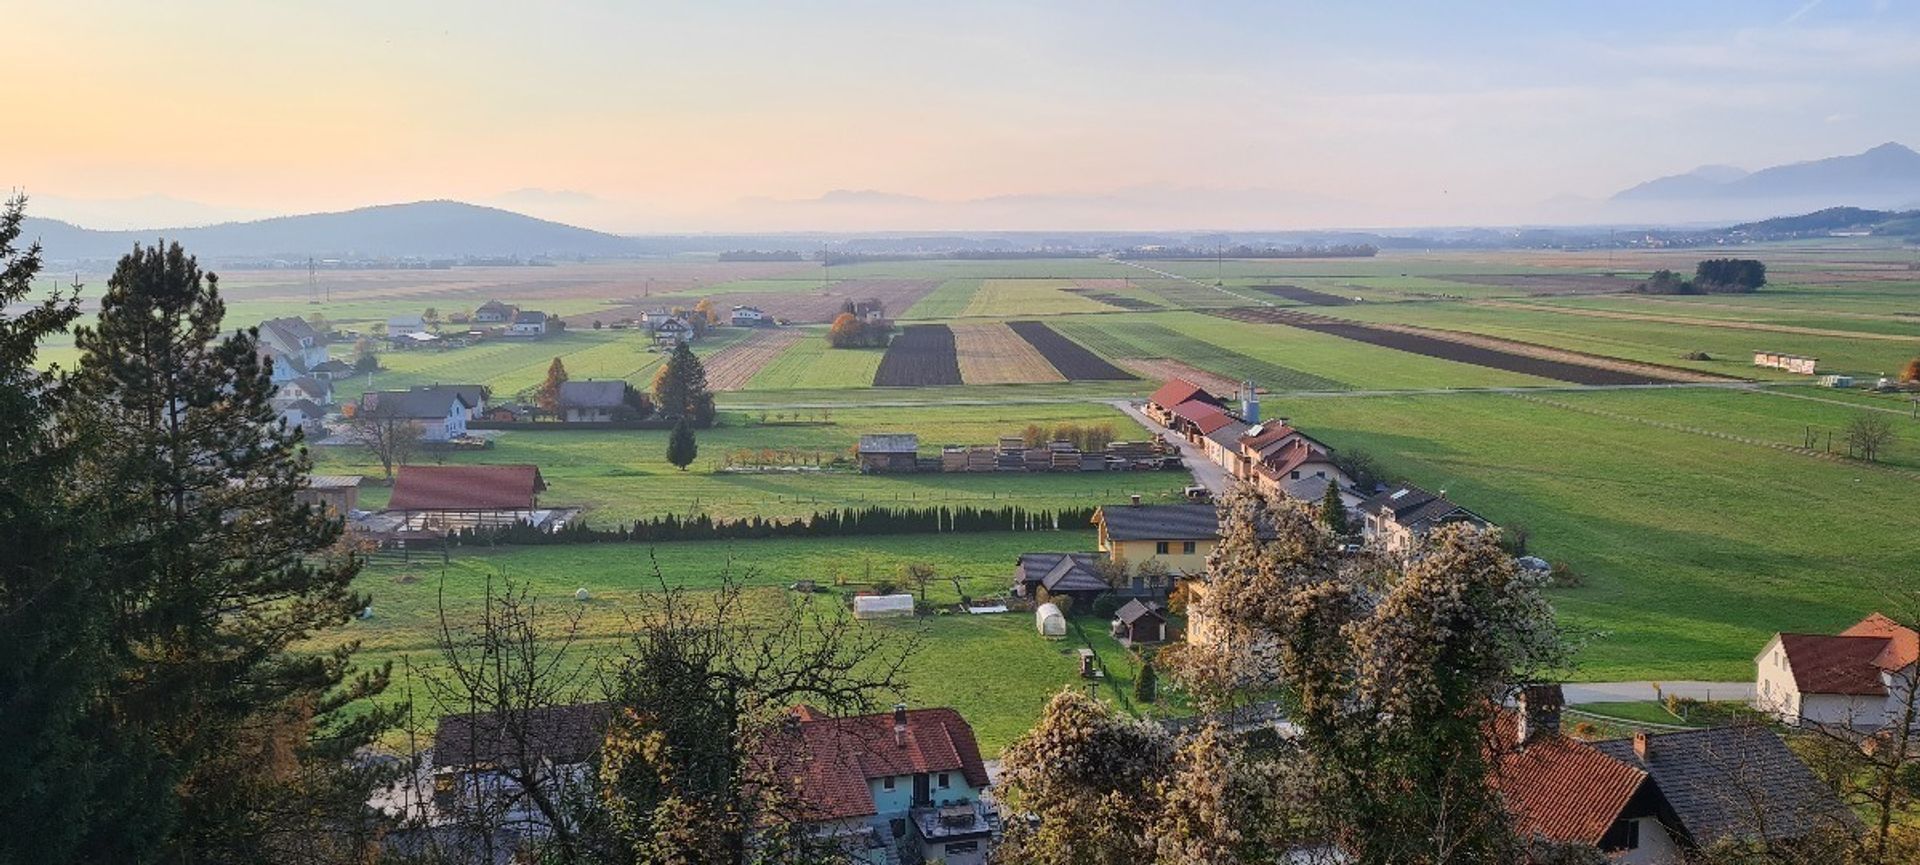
<point x="885" y="587"/>
<point x="1106" y="605"/>
<point x="1064" y="602"/>
<point x="1696" y="355"/>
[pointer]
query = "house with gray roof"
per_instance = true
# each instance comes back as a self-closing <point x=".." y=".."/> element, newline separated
<point x="441" y="415"/>
<point x="1398" y="520"/>
<point x="599" y="400"/>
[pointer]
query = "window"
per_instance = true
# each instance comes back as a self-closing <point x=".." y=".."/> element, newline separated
<point x="1296" y="474"/>
<point x="943" y="780"/>
<point x="887" y="783"/>
<point x="1186" y="547"/>
<point x="962" y="847"/>
<point x="1160" y="547"/>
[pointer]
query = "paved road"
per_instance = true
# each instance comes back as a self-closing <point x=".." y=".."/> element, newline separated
<point x="1206" y="472"/>
<point x="1618" y="692"/>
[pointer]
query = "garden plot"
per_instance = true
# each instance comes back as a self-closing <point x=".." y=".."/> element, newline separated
<point x="922" y="355"/>
<point x="994" y="354"/>
<point x="1072" y="359"/>
<point x="732" y="367"/>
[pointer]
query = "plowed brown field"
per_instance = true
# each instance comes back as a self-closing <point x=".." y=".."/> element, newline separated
<point x="731" y="367"/>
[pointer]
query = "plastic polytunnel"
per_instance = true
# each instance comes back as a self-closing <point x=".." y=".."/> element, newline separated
<point x="882" y="606"/>
<point x="1049" y="622"/>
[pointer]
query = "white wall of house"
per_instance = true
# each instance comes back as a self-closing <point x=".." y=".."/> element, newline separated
<point x="1774" y="691"/>
<point x="1657" y="847"/>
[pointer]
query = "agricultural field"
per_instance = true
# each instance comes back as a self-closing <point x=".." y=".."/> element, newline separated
<point x="947" y="301"/>
<point x="732" y="367"/>
<point x="1070" y="358"/>
<point x="1028" y="297"/>
<point x="811" y="363"/>
<point x="921" y="355"/>
<point x="992" y="353"/>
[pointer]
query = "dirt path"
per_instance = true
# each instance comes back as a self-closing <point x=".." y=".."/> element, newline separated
<point x="1698" y="322"/>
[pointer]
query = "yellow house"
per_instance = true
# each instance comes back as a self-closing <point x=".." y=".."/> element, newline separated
<point x="1181" y="535"/>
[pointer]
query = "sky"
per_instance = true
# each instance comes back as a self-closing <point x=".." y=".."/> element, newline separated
<point x="742" y="116"/>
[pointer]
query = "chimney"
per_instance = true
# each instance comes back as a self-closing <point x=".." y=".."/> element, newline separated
<point x="1540" y="707"/>
<point x="900" y="724"/>
<point x="1641" y="747"/>
<point x="1134" y="499"/>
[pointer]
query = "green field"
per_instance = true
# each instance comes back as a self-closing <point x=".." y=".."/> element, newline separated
<point x="1022" y="298"/>
<point x="811" y="363"/>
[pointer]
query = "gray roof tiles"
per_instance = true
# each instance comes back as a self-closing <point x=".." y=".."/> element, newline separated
<point x="1738" y="782"/>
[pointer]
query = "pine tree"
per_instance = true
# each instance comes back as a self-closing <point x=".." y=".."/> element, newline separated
<point x="55" y="793"/>
<point x="681" y="448"/>
<point x="680" y="388"/>
<point x="1333" y="512"/>
<point x="549" y="395"/>
<point x="214" y="572"/>
<point x="1145" y="688"/>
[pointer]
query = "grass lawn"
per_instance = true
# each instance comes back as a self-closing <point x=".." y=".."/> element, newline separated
<point x="995" y="668"/>
<point x="622" y="475"/>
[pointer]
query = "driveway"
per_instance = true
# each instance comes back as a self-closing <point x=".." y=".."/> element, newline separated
<point x="1621" y="692"/>
<point x="1206" y="472"/>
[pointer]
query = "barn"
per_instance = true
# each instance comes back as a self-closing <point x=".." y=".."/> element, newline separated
<point x="888" y="452"/>
<point x="446" y="498"/>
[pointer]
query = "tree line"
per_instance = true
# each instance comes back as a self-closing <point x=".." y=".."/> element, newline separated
<point x="1338" y="250"/>
<point x="1712" y="276"/>
<point x="837" y="522"/>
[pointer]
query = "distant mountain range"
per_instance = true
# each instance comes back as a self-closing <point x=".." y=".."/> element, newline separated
<point x="1887" y="176"/>
<point x="423" y="230"/>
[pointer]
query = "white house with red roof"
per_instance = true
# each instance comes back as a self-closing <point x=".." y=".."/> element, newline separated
<point x="901" y="787"/>
<point x="1861" y="677"/>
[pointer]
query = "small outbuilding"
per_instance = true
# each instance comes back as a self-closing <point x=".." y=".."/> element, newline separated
<point x="1137" y="622"/>
<point x="1049" y="622"/>
<point x="889" y="452"/>
<point x="882" y="606"/>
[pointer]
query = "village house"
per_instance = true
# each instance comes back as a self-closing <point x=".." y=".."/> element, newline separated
<point x="1654" y="798"/>
<point x="1398" y="520"/>
<point x="405" y="325"/>
<point x="331" y="368"/>
<point x="474" y="396"/>
<point x="748" y="316"/>
<point x="593" y="400"/>
<point x="908" y="786"/>
<point x="672" y="331"/>
<point x="1279" y="459"/>
<point x="336" y="495"/>
<point x="1177" y="537"/>
<point x="293" y="345"/>
<point x="477" y="756"/>
<point x="528" y="323"/>
<point x="494" y="312"/>
<point x="315" y="390"/>
<point x="888" y="452"/>
<point x="440" y="414"/>
<point x="1859" y="678"/>
<point x="870" y="310"/>
<point x="300" y="414"/>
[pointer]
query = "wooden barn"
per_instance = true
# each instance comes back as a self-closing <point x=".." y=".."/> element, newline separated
<point x="445" y="498"/>
<point x="888" y="452"/>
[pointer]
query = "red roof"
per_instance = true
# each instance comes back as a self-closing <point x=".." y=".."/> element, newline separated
<point x="1269" y="434"/>
<point x="1296" y="454"/>
<point x="1177" y="391"/>
<point x="1903" y="645"/>
<point x="1561" y="789"/>
<point x="465" y="488"/>
<point x="1205" y="417"/>
<point x="1823" y="664"/>
<point x="830" y="764"/>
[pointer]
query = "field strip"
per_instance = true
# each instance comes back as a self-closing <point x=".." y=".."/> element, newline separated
<point x="994" y="354"/>
<point x="1693" y="430"/>
<point x="1861" y="406"/>
<point x="1164" y="369"/>
<point x="1219" y="288"/>
<point x="730" y="368"/>
<point x="1480" y="350"/>
<point x="1697" y="322"/>
<point x="1290" y="394"/>
<point x="1824" y="313"/>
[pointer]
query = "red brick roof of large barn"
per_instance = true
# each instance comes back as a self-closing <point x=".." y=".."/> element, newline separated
<point x="829" y="766"/>
<point x="1903" y="645"/>
<point x="1177" y="391"/>
<point x="1205" y="417"/>
<point x="1559" y="788"/>
<point x="465" y="488"/>
<point x="1825" y="664"/>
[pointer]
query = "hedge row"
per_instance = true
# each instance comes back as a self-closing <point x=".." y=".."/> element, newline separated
<point x="839" y="522"/>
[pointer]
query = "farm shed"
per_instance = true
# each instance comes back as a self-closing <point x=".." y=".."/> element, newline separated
<point x="889" y="452"/>
<point x="882" y="606"/>
<point x="1049" y="622"/>
<point x="332" y="494"/>
<point x="445" y="498"/>
<point x="1138" y="622"/>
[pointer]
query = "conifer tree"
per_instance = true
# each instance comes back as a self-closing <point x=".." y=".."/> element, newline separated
<point x="549" y="396"/>
<point x="681" y="447"/>
<point x="213" y="572"/>
<point x="680" y="388"/>
<point x="1333" y="512"/>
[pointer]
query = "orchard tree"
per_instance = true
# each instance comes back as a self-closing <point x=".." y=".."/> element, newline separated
<point x="215" y="572"/>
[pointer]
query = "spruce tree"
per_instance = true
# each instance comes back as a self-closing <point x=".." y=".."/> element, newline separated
<point x="1333" y="512"/>
<point x="213" y="572"/>
<point x="55" y="793"/>
<point x="1145" y="686"/>
<point x="680" y="388"/>
<point x="681" y="447"/>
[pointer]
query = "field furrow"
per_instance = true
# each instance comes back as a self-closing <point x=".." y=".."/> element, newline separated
<point x="994" y="354"/>
<point x="732" y="367"/>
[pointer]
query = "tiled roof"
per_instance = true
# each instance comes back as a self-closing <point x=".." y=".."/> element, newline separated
<point x="889" y="443"/>
<point x="1418" y="509"/>
<point x="1903" y="645"/>
<point x="333" y="365"/>
<point x="1269" y="434"/>
<point x="474" y="395"/>
<point x="1559" y="788"/>
<point x="565" y="735"/>
<point x="593" y="394"/>
<point x="1177" y="391"/>
<point x="1183" y="522"/>
<point x="1228" y="436"/>
<point x="1134" y="610"/>
<point x="529" y="316"/>
<point x="1061" y="572"/>
<point x="418" y="404"/>
<point x="827" y="761"/>
<point x="1205" y="417"/>
<point x="1824" y="664"/>
<point x="465" y="488"/>
<point x="1738" y="782"/>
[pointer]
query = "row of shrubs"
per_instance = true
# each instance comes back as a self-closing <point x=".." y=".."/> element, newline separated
<point x="838" y="522"/>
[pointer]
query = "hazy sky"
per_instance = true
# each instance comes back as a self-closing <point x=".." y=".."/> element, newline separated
<point x="733" y="115"/>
